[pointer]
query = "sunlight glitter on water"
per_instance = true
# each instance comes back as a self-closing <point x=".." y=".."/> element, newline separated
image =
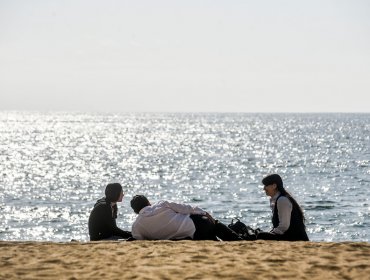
<point x="55" y="166"/>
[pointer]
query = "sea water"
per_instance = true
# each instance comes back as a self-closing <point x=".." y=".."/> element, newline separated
<point x="54" y="166"/>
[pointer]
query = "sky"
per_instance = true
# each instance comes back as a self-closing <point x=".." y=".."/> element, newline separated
<point x="185" y="56"/>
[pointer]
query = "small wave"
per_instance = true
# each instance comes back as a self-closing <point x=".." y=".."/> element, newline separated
<point x="320" y="207"/>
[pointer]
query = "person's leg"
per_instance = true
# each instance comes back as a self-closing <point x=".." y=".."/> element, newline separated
<point x="225" y="233"/>
<point x="204" y="228"/>
<point x="268" y="236"/>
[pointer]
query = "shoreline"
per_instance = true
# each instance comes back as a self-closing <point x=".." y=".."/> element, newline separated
<point x="184" y="260"/>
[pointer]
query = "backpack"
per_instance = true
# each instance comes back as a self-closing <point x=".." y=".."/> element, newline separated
<point x="244" y="231"/>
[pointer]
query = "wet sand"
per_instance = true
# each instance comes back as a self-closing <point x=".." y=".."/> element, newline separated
<point x="184" y="260"/>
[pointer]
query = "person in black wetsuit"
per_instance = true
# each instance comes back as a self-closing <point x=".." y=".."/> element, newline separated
<point x="102" y="220"/>
<point x="287" y="216"/>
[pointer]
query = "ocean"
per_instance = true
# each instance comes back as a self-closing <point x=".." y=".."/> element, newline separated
<point x="54" y="166"/>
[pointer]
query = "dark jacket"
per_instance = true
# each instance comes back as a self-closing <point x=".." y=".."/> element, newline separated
<point x="297" y="229"/>
<point x="102" y="222"/>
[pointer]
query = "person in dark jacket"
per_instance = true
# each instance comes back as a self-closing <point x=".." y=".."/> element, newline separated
<point x="102" y="220"/>
<point x="287" y="216"/>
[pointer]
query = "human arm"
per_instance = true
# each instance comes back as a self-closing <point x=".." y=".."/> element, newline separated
<point x="122" y="233"/>
<point x="110" y="225"/>
<point x="184" y="208"/>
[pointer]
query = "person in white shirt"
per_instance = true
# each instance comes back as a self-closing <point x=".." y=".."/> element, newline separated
<point x="173" y="221"/>
<point x="287" y="216"/>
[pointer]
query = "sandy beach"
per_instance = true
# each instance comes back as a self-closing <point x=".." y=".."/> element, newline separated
<point x="184" y="260"/>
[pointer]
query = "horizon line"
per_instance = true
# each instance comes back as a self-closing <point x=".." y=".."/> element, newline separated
<point x="177" y="112"/>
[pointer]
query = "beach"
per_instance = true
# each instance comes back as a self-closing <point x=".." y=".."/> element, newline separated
<point x="184" y="260"/>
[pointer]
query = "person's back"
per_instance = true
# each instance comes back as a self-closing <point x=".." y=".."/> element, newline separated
<point x="101" y="221"/>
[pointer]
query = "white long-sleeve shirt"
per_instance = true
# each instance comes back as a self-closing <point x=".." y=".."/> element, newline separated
<point x="165" y="220"/>
<point x="284" y="207"/>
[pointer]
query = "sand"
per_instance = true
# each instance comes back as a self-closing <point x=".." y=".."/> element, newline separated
<point x="184" y="260"/>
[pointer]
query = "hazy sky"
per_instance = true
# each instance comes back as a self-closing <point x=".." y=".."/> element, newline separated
<point x="188" y="56"/>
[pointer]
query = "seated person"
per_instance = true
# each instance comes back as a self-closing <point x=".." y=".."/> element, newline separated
<point x="102" y="220"/>
<point x="287" y="216"/>
<point x="172" y="221"/>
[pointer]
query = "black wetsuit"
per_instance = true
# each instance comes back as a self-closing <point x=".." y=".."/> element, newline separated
<point x="102" y="222"/>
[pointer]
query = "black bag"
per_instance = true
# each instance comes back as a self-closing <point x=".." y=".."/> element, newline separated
<point x="244" y="231"/>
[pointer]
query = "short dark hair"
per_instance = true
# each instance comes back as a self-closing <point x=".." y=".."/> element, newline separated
<point x="138" y="202"/>
<point x="273" y="179"/>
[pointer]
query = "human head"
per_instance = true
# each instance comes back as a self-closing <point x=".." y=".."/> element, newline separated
<point x="272" y="184"/>
<point x="273" y="179"/>
<point x="138" y="202"/>
<point x="113" y="192"/>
